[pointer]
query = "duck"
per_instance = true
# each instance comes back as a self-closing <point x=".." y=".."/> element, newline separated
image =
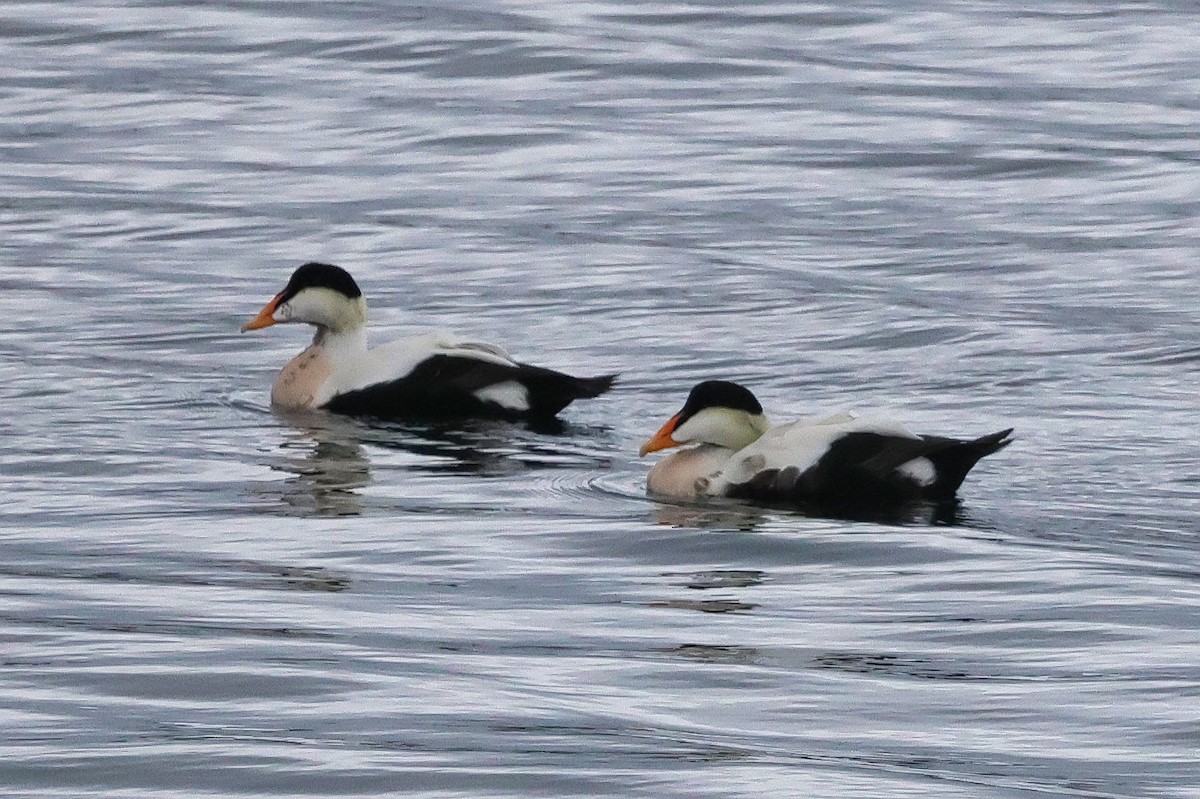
<point x="431" y="375"/>
<point x="837" y="464"/>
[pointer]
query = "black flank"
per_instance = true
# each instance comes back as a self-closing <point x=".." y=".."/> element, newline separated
<point x="442" y="387"/>
<point x="858" y="475"/>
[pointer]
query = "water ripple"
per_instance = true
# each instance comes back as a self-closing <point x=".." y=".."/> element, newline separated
<point x="965" y="217"/>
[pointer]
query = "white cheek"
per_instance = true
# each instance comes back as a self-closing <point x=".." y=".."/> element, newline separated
<point x="283" y="313"/>
<point x="711" y="426"/>
<point x="687" y="433"/>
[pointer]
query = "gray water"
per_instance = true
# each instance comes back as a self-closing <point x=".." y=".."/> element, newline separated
<point x="966" y="215"/>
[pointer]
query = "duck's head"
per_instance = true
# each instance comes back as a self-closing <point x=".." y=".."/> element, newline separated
<point x="318" y="294"/>
<point x="716" y="412"/>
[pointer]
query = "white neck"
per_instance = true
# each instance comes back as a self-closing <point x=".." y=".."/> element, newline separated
<point x="341" y="344"/>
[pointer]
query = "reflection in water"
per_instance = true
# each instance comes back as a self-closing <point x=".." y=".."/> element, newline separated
<point x="715" y="579"/>
<point x="708" y="653"/>
<point x="705" y="605"/>
<point x="335" y="464"/>
<point x="483" y="447"/>
<point x="169" y="571"/>
<point x="327" y="475"/>
<point x="717" y="515"/>
<point x="888" y="664"/>
<point x="256" y="574"/>
<point x="720" y="578"/>
<point x="722" y="514"/>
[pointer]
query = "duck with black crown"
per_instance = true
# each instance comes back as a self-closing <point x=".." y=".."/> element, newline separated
<point x="432" y="375"/>
<point x="836" y="464"/>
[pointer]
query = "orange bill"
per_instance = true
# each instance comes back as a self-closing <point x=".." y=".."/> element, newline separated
<point x="662" y="439"/>
<point x="265" y="317"/>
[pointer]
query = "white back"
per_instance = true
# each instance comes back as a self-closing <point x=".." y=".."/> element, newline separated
<point x="801" y="444"/>
<point x="396" y="359"/>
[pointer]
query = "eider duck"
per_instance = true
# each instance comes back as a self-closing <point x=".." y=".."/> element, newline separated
<point x="837" y="464"/>
<point x="431" y="375"/>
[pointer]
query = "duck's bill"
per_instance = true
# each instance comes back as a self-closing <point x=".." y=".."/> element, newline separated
<point x="662" y="439"/>
<point x="265" y="318"/>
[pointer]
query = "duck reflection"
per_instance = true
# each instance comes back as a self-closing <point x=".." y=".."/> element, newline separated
<point x="709" y="653"/>
<point x="718" y="578"/>
<point x="327" y="464"/>
<point x="715" y="515"/>
<point x="483" y="447"/>
<point x="709" y="580"/>
<point x="734" y="516"/>
<point x="892" y="665"/>
<point x="705" y="605"/>
<point x="328" y="459"/>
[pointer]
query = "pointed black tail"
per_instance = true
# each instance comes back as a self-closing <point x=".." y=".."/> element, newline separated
<point x="954" y="458"/>
<point x="590" y="387"/>
<point x="551" y="391"/>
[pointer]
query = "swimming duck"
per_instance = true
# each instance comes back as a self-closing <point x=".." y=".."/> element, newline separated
<point x="837" y="463"/>
<point x="430" y="375"/>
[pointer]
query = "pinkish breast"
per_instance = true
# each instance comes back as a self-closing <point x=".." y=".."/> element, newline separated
<point x="676" y="475"/>
<point x="299" y="383"/>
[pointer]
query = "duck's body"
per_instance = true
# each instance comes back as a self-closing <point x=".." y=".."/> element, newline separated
<point x="430" y="375"/>
<point x="838" y="464"/>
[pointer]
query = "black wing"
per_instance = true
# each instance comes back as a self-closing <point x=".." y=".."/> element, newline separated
<point x="445" y="386"/>
<point x="860" y="472"/>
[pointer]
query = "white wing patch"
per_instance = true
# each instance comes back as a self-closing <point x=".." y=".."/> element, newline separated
<point x="510" y="395"/>
<point x="919" y="470"/>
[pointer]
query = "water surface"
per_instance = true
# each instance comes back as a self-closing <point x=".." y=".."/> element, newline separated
<point x="969" y="216"/>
